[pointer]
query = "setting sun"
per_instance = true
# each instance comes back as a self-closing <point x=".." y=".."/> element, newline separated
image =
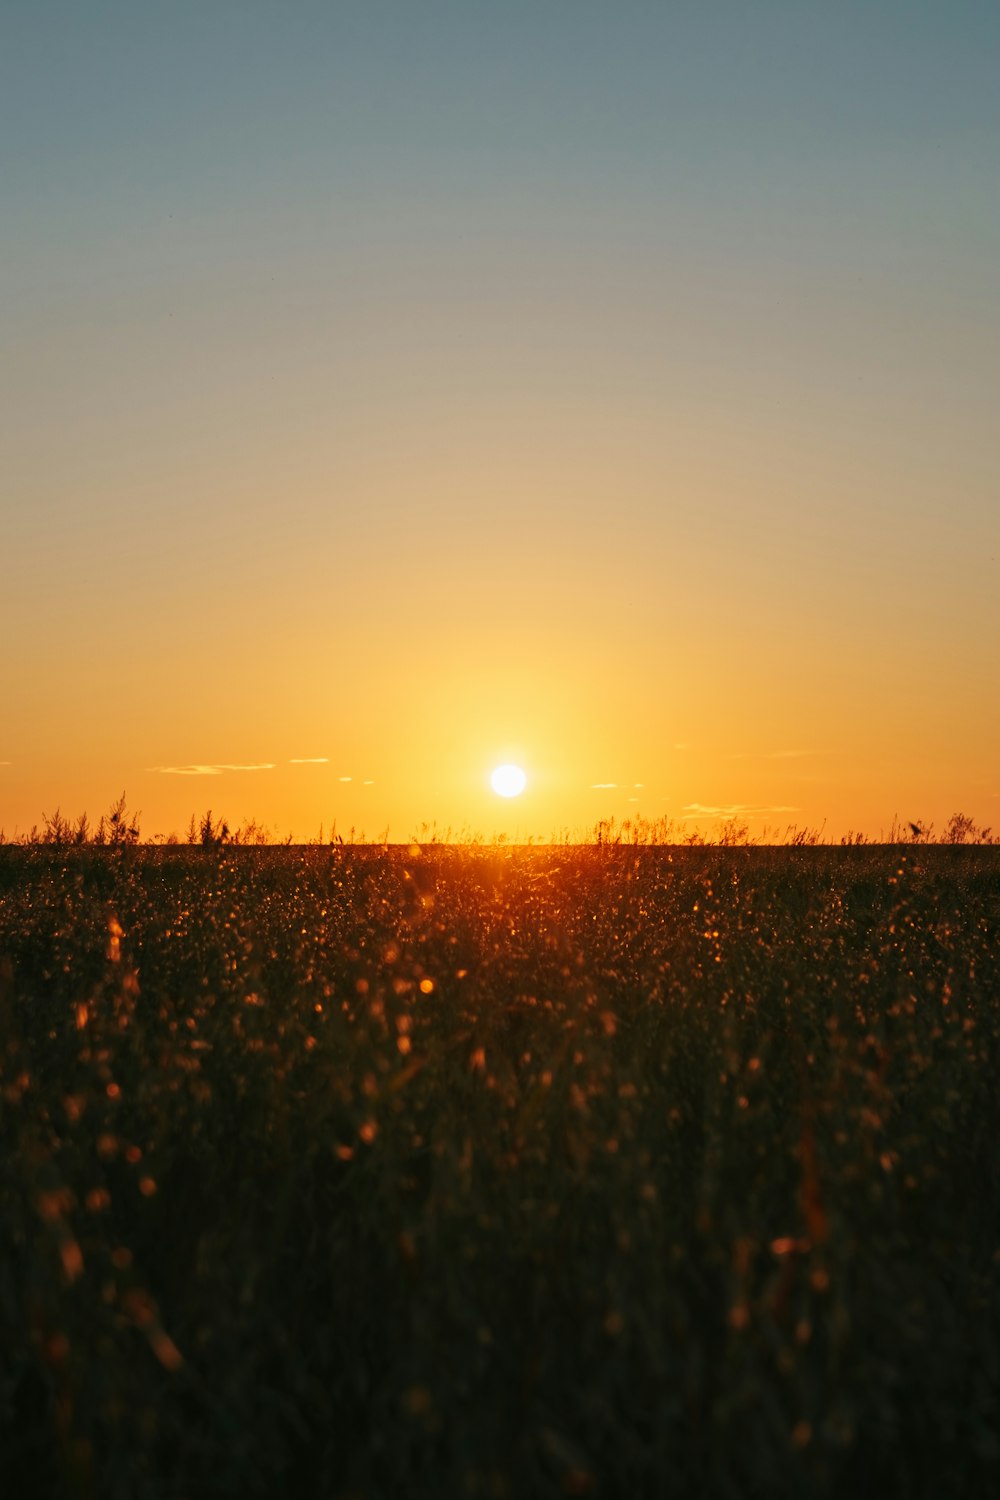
<point x="508" y="781"/>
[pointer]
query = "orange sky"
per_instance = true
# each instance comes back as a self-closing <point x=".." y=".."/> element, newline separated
<point x="599" y="394"/>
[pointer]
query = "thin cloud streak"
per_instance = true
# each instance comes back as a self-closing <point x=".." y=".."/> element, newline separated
<point x="693" y="810"/>
<point x="603" y="786"/>
<point x="309" y="760"/>
<point x="215" y="769"/>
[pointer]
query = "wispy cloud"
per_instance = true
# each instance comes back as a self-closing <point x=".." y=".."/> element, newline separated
<point x="309" y="760"/>
<point x="215" y="769"/>
<point x="731" y="810"/>
<point x="603" y="786"/>
<point x="368" y="783"/>
<point x="6" y="762"/>
<point x="345" y="778"/>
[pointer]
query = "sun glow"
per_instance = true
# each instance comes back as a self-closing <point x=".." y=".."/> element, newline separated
<point x="508" y="781"/>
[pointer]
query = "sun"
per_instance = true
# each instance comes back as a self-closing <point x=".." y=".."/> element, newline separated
<point x="508" y="781"/>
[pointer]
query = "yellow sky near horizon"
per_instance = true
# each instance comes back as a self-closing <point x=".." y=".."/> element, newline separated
<point x="582" y="617"/>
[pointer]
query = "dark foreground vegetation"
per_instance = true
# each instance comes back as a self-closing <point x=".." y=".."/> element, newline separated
<point x="580" y="1171"/>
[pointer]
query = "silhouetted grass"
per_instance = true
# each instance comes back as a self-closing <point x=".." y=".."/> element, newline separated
<point x="596" y="1170"/>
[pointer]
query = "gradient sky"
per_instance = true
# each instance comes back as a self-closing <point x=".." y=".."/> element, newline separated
<point x="403" y="388"/>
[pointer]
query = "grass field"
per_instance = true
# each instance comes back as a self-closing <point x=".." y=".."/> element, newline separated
<point x="499" y="1172"/>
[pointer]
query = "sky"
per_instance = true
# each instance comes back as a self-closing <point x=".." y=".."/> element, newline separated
<point x="392" y="390"/>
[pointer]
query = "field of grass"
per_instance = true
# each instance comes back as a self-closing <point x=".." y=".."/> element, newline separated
<point x="521" y="1172"/>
